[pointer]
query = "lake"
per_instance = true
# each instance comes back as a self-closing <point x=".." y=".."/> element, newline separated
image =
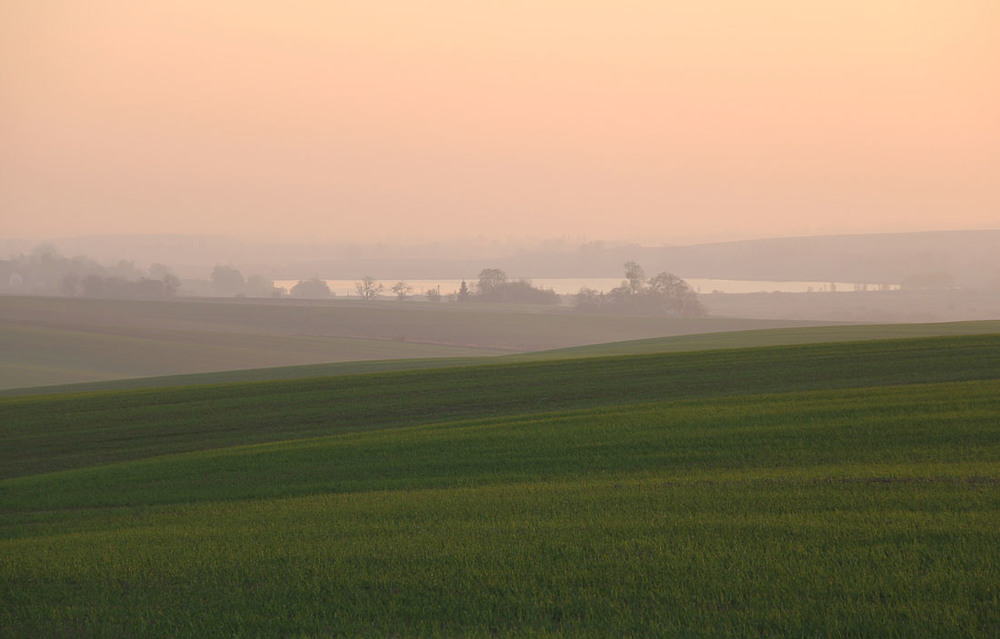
<point x="571" y="286"/>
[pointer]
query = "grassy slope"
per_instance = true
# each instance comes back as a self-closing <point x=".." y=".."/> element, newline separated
<point x="639" y="495"/>
<point x="940" y="427"/>
<point x="59" y="340"/>
<point x="39" y="434"/>
<point x="774" y="337"/>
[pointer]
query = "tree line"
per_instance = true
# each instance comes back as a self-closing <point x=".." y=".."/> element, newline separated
<point x="45" y="271"/>
<point x="662" y="294"/>
<point x="495" y="286"/>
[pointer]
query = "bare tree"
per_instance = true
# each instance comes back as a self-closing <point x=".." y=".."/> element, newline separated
<point x="402" y="290"/>
<point x="368" y="288"/>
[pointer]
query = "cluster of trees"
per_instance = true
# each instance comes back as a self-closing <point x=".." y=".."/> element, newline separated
<point x="114" y="287"/>
<point x="662" y="294"/>
<point x="495" y="286"/>
<point x="44" y="271"/>
<point x="369" y="288"/>
<point x="228" y="281"/>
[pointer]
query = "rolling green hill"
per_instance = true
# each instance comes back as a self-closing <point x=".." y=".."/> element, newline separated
<point x="48" y="432"/>
<point x="771" y="337"/>
<point x="813" y="489"/>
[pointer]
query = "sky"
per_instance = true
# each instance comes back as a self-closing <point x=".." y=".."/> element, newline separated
<point x="652" y="121"/>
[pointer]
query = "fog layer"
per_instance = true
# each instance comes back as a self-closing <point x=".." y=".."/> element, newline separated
<point x="653" y="122"/>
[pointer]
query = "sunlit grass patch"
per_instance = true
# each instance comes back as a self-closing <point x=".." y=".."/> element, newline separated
<point x="42" y="434"/>
<point x="554" y="500"/>
<point x="613" y="556"/>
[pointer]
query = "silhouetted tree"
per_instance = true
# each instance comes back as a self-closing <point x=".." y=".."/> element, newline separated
<point x="125" y="270"/>
<point x="589" y="299"/>
<point x="158" y="271"/>
<point x="674" y="296"/>
<point x="44" y="270"/>
<point x="150" y="289"/>
<point x="70" y="285"/>
<point x="368" y="288"/>
<point x="492" y="282"/>
<point x="463" y="292"/>
<point x="663" y="294"/>
<point x="402" y="290"/>
<point x="494" y="286"/>
<point x="434" y="294"/>
<point x="260" y="286"/>
<point x="524" y="292"/>
<point x="227" y="281"/>
<point x="313" y="288"/>
<point x="171" y="284"/>
<point x="635" y="277"/>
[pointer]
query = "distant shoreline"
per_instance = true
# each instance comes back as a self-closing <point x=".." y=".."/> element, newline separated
<point x="571" y="286"/>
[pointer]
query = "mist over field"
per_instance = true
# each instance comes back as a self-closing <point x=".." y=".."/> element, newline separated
<point x="650" y="123"/>
<point x="229" y="305"/>
<point x="514" y="319"/>
<point x="927" y="276"/>
<point x="969" y="256"/>
<point x="843" y="144"/>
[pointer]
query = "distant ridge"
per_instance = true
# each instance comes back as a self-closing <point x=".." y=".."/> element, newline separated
<point x="971" y="257"/>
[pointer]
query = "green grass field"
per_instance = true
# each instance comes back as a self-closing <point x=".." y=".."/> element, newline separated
<point x="835" y="489"/>
<point x="773" y="337"/>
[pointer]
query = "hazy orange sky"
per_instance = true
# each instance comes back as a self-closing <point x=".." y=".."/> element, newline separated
<point x="650" y="121"/>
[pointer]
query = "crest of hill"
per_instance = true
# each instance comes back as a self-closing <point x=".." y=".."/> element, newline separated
<point x="969" y="256"/>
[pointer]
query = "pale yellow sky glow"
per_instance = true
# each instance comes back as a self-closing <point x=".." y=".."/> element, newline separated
<point x="650" y="121"/>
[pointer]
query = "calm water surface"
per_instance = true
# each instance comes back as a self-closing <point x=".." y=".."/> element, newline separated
<point x="570" y="286"/>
